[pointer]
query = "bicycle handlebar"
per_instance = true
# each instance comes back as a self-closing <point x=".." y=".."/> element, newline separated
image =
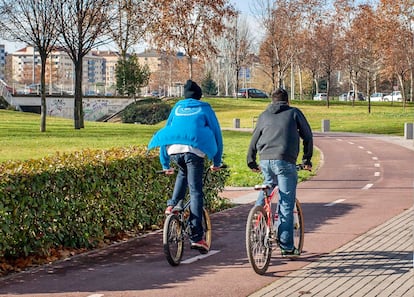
<point x="222" y="166"/>
<point x="303" y="167"/>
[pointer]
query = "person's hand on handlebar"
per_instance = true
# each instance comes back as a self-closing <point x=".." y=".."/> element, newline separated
<point x="307" y="167"/>
<point x="217" y="168"/>
<point x="254" y="167"/>
<point x="168" y="171"/>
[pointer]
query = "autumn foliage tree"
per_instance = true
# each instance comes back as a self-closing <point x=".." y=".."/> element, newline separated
<point x="397" y="36"/>
<point x="187" y="25"/>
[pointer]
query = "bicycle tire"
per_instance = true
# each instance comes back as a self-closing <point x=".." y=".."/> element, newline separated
<point x="173" y="239"/>
<point x="299" y="227"/>
<point x="258" y="245"/>
<point x="206" y="222"/>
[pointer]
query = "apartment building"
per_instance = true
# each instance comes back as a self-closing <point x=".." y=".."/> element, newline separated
<point x="98" y="71"/>
<point x="168" y="72"/>
<point x="2" y="61"/>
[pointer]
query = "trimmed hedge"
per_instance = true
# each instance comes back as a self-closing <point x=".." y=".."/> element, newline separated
<point x="77" y="200"/>
<point x="147" y="111"/>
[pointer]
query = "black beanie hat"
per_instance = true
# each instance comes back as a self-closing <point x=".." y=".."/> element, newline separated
<point x="192" y="90"/>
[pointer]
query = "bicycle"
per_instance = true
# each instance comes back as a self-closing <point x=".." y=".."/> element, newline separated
<point x="177" y="229"/>
<point x="261" y="231"/>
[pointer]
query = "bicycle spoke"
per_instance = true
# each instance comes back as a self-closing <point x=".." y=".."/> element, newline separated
<point x="258" y="245"/>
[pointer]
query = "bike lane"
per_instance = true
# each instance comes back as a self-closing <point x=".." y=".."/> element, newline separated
<point x="362" y="183"/>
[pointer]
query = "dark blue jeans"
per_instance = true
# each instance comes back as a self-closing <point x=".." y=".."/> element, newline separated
<point x="190" y="174"/>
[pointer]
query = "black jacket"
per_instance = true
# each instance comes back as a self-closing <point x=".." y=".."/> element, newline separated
<point x="277" y="136"/>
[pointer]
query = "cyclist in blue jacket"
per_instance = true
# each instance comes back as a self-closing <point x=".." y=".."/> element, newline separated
<point x="192" y="132"/>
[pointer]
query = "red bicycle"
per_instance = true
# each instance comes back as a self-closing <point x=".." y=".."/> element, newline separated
<point x="261" y="232"/>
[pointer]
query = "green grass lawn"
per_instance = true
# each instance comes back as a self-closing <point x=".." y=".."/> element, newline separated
<point x="21" y="138"/>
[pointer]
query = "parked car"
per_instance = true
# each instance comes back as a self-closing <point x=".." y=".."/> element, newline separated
<point x="320" y="96"/>
<point x="394" y="96"/>
<point x="377" y="97"/>
<point x="251" y="93"/>
<point x="343" y="97"/>
<point x="350" y="96"/>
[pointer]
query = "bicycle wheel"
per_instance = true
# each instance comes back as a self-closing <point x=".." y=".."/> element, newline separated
<point x="258" y="246"/>
<point x="207" y="229"/>
<point x="299" y="227"/>
<point x="173" y="239"/>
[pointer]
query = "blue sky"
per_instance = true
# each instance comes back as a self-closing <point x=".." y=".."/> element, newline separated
<point x="242" y="5"/>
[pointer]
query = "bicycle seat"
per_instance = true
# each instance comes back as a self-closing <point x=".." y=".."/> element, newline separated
<point x="261" y="187"/>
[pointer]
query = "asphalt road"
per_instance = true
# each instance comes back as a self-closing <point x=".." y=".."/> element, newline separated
<point x="362" y="183"/>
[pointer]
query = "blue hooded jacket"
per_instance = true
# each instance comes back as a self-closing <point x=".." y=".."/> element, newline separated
<point x="191" y="122"/>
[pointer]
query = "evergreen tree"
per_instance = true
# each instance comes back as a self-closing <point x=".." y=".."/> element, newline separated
<point x="208" y="85"/>
<point x="131" y="76"/>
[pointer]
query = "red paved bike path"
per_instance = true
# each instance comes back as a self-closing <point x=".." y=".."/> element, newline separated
<point x="364" y="180"/>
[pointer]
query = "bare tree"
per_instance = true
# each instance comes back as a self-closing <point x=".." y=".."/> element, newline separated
<point x="240" y="46"/>
<point x="129" y="24"/>
<point x="32" y="22"/>
<point x="189" y="25"/>
<point x="82" y="23"/>
<point x="281" y="20"/>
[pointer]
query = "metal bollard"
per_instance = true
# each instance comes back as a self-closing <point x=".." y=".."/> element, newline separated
<point x="236" y="123"/>
<point x="325" y="125"/>
<point x="408" y="131"/>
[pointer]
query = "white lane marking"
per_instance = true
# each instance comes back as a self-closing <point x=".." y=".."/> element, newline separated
<point x="377" y="165"/>
<point x="374" y="158"/>
<point x="361" y="147"/>
<point x="377" y="173"/>
<point x="335" y="202"/>
<point x="196" y="258"/>
<point x="369" y="152"/>
<point x="96" y="295"/>
<point x="367" y="186"/>
<point x="339" y="139"/>
<point x="350" y="142"/>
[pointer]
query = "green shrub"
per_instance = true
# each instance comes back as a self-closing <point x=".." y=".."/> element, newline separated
<point x="149" y="111"/>
<point x="78" y="200"/>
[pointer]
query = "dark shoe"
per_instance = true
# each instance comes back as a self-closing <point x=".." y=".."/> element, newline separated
<point x="291" y="254"/>
<point x="201" y="245"/>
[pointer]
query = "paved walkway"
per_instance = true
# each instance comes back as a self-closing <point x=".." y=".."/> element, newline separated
<point x="378" y="263"/>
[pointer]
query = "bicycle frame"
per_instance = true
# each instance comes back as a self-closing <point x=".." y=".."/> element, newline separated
<point x="268" y="208"/>
<point x="272" y="216"/>
<point x="261" y="231"/>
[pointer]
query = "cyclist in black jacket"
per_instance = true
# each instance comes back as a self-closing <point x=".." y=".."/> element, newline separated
<point x="276" y="139"/>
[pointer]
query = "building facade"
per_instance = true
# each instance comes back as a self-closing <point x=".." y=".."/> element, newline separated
<point x="98" y="72"/>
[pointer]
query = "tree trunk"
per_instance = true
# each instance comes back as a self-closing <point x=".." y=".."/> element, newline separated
<point x="328" y="86"/>
<point x="78" y="95"/>
<point x="190" y="66"/>
<point x="43" y="108"/>
<point x="411" y="85"/>
<point x="401" y="81"/>
<point x="300" y="84"/>
<point x="369" y="91"/>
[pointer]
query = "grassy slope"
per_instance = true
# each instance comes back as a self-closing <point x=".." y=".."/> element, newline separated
<point x="21" y="139"/>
